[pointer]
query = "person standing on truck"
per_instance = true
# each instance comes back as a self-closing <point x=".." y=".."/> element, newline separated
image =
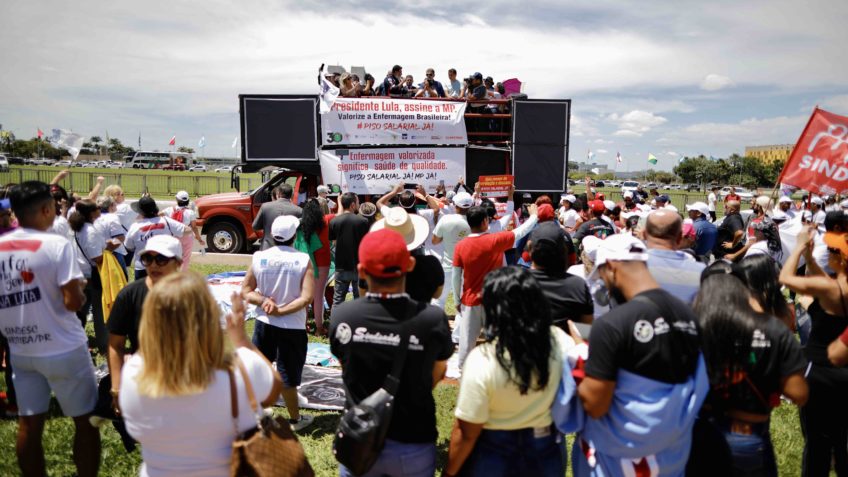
<point x="282" y="205"/>
<point x="392" y="85"/>
<point x="347" y="229"/>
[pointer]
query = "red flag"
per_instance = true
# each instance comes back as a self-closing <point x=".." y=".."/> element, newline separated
<point x="172" y="141"/>
<point x="819" y="161"/>
<point x="40" y="133"/>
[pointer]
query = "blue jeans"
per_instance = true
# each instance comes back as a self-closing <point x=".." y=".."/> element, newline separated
<point x="753" y="455"/>
<point x="399" y="459"/>
<point x="515" y="453"/>
<point x="343" y="280"/>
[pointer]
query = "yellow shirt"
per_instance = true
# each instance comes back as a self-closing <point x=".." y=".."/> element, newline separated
<point x="488" y="397"/>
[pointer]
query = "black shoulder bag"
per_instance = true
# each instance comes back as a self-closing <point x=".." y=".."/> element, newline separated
<point x="362" y="430"/>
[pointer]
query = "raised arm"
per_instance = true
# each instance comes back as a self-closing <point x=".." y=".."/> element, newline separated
<point x="384" y="201"/>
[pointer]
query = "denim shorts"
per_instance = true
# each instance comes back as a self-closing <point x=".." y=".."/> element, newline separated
<point x="399" y="459"/>
<point x="69" y="375"/>
<point x="521" y="452"/>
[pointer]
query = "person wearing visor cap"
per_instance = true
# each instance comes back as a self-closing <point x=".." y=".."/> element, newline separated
<point x="161" y="256"/>
<point x="280" y="282"/>
<point x="357" y="337"/>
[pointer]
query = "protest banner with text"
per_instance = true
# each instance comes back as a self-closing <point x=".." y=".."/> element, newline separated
<point x="495" y="186"/>
<point x="819" y="162"/>
<point x="376" y="171"/>
<point x="378" y="120"/>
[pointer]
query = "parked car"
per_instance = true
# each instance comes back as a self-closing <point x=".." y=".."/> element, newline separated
<point x="16" y="160"/>
<point x="692" y="187"/>
<point x="629" y="186"/>
<point x="116" y="165"/>
<point x="63" y="164"/>
<point x="4" y="163"/>
<point x="224" y="169"/>
<point x="197" y="168"/>
<point x="80" y="164"/>
<point x="600" y="184"/>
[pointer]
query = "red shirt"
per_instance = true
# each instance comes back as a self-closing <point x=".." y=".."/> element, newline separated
<point x="478" y="255"/>
<point x="732" y="196"/>
<point x="322" y="255"/>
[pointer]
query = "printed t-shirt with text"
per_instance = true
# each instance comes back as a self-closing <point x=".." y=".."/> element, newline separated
<point x="34" y="266"/>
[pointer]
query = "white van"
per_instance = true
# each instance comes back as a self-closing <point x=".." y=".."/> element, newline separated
<point x="4" y="164"/>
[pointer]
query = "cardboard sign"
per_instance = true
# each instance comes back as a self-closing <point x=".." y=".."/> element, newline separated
<point x="495" y="186"/>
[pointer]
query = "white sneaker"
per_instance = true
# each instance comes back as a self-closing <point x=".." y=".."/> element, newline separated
<point x="304" y="421"/>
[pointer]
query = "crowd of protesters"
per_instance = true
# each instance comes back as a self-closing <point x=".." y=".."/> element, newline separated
<point x="662" y="342"/>
<point x="398" y="85"/>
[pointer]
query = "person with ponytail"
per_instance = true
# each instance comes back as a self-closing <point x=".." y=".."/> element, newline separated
<point x="503" y="413"/>
<point x="90" y="243"/>
<point x="752" y="358"/>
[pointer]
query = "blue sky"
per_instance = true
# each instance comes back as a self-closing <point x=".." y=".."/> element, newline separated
<point x="666" y="78"/>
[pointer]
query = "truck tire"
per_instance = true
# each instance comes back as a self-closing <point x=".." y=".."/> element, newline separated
<point x="224" y="237"/>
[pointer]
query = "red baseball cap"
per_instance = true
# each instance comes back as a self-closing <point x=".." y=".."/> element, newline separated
<point x="383" y="254"/>
<point x="545" y="213"/>
<point x="597" y="206"/>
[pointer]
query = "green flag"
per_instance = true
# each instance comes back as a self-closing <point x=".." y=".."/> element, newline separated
<point x="652" y="159"/>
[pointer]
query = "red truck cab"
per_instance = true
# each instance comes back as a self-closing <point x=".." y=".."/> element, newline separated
<point x="227" y="219"/>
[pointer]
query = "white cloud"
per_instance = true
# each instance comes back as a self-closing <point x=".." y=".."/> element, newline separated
<point x="626" y="133"/>
<point x="673" y="154"/>
<point x="714" y="82"/>
<point x="725" y="138"/>
<point x="837" y="104"/>
<point x="635" y="123"/>
<point x="601" y="141"/>
<point x="601" y="151"/>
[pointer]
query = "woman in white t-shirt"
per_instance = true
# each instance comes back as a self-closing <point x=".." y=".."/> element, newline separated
<point x="89" y="244"/>
<point x="113" y="232"/>
<point x="503" y="412"/>
<point x="175" y="392"/>
<point x="187" y="216"/>
<point x="149" y="225"/>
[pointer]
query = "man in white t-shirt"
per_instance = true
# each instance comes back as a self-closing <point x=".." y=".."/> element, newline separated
<point x="448" y="232"/>
<point x="42" y="288"/>
<point x="711" y="203"/>
<point x="183" y="213"/>
<point x="280" y="283"/>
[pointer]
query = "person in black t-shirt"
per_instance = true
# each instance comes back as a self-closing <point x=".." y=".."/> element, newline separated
<point x="731" y="232"/>
<point x="347" y="229"/>
<point x="568" y="294"/>
<point x="752" y="358"/>
<point x="364" y="335"/>
<point x="162" y="256"/>
<point x="649" y="341"/>
<point x="597" y="226"/>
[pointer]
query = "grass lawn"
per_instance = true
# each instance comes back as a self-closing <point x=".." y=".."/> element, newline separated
<point x="317" y="440"/>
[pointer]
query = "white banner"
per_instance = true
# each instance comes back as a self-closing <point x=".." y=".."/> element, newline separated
<point x="379" y="120"/>
<point x="376" y="171"/>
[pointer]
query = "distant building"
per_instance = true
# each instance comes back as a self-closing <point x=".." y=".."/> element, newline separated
<point x="769" y="154"/>
<point x="586" y="167"/>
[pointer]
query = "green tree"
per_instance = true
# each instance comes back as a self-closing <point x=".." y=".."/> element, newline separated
<point x="185" y="149"/>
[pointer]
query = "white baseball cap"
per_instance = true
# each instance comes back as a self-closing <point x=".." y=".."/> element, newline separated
<point x="700" y="207"/>
<point x="610" y="205"/>
<point x="785" y="198"/>
<point x="463" y="200"/>
<point x="165" y="245"/>
<point x="619" y="247"/>
<point x="817" y="200"/>
<point x="284" y="227"/>
<point x="182" y="195"/>
<point x="570" y="198"/>
<point x="844" y="204"/>
<point x="628" y="195"/>
<point x="590" y="246"/>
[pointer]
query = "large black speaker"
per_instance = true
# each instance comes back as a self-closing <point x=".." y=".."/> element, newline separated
<point x="485" y="162"/>
<point x="540" y="144"/>
<point x="279" y="128"/>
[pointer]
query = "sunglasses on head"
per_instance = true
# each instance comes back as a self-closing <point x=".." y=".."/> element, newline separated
<point x="149" y="258"/>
